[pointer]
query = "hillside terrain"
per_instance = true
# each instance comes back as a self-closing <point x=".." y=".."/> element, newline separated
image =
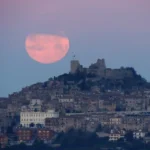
<point x="80" y="80"/>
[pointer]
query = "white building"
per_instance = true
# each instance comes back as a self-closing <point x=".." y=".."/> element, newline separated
<point x="138" y="134"/>
<point x="116" y="135"/>
<point x="35" y="105"/>
<point x="26" y="118"/>
<point x="36" y="101"/>
<point x="24" y="108"/>
<point x="66" y="100"/>
<point x="115" y="121"/>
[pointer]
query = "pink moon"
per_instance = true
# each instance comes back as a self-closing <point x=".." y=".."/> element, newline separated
<point x="45" y="48"/>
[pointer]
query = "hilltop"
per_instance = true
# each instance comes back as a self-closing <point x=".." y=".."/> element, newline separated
<point x="99" y="75"/>
<point x="96" y="78"/>
<point x="94" y="99"/>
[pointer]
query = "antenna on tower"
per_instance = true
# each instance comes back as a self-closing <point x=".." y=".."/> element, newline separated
<point x="73" y="56"/>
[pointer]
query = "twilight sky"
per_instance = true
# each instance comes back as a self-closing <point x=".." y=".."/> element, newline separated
<point x="117" y="30"/>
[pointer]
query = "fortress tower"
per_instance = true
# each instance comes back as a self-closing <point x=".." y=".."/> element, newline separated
<point x="74" y="66"/>
<point x="98" y="68"/>
<point x="101" y="64"/>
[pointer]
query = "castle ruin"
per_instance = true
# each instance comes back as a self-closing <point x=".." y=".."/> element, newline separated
<point x="100" y="70"/>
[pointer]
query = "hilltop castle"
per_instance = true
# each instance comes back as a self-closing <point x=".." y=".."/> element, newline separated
<point x="100" y="70"/>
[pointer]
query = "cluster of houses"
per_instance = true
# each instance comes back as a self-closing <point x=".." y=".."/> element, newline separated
<point x="85" y="111"/>
<point x="43" y="110"/>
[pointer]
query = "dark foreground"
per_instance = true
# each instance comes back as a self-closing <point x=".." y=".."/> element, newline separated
<point x="85" y="141"/>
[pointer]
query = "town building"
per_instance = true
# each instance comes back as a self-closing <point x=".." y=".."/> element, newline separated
<point x="24" y="134"/>
<point x="35" y="105"/>
<point x="64" y="123"/>
<point x="106" y="105"/>
<point x="65" y="99"/>
<point x="135" y="104"/>
<point x="116" y="135"/>
<point x="45" y="134"/>
<point x="3" y="141"/>
<point x="35" y="118"/>
<point x="138" y="134"/>
<point x="115" y="121"/>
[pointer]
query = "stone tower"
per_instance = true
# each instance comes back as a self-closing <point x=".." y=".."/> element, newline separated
<point x="74" y="66"/>
<point x="101" y="64"/>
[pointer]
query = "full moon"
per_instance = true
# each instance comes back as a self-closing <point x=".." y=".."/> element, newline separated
<point x="45" y="48"/>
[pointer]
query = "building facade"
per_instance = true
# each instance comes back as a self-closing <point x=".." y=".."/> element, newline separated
<point x="28" y="118"/>
<point x="74" y="66"/>
<point x="3" y="141"/>
<point x="45" y="134"/>
<point x="24" y="135"/>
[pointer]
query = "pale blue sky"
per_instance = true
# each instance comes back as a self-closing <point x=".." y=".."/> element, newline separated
<point x="116" y="30"/>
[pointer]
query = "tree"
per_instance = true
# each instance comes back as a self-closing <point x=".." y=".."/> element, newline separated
<point x="10" y="130"/>
<point x="59" y="137"/>
<point x="68" y="111"/>
<point x="38" y="125"/>
<point x="38" y="144"/>
<point x="32" y="125"/>
<point x="99" y="128"/>
<point x="129" y="136"/>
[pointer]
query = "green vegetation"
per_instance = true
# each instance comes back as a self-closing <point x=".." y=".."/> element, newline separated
<point x="80" y="79"/>
<point x="38" y="145"/>
<point x="80" y="140"/>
